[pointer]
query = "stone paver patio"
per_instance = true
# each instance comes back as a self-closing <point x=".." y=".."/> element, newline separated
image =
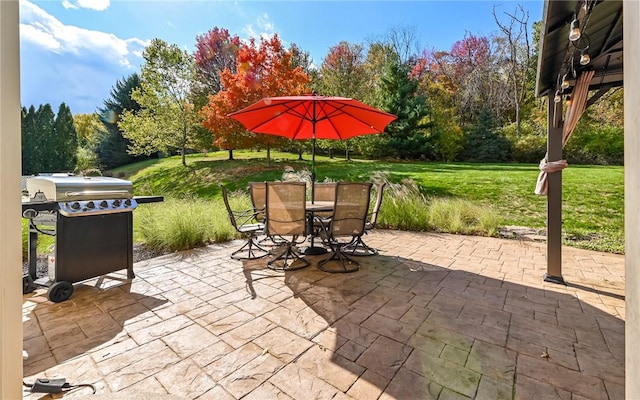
<point x="434" y="316"/>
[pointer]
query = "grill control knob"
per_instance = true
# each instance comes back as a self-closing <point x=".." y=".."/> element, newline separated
<point x="127" y="203"/>
<point x="75" y="206"/>
<point x="91" y="205"/>
<point x="104" y="204"/>
<point x="116" y="203"/>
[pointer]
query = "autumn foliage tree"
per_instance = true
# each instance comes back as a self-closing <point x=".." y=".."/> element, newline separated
<point x="343" y="73"/>
<point x="264" y="70"/>
<point x="216" y="51"/>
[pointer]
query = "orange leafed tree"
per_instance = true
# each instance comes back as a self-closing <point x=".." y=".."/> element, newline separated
<point x="263" y="71"/>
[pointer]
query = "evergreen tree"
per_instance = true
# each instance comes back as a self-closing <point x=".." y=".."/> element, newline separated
<point x="44" y="143"/>
<point x="65" y="141"/>
<point x="112" y="147"/>
<point x="483" y="144"/>
<point x="408" y="135"/>
<point x="29" y="141"/>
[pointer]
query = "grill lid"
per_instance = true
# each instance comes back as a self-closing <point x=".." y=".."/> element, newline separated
<point x="65" y="188"/>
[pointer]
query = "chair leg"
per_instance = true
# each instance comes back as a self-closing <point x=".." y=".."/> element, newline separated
<point x="357" y="247"/>
<point x="290" y="260"/>
<point x="250" y="250"/>
<point x="346" y="263"/>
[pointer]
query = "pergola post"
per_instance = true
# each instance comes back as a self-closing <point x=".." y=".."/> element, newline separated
<point x="632" y="196"/>
<point x="554" y="194"/>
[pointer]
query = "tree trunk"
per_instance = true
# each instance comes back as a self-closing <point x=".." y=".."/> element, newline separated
<point x="518" y="121"/>
<point x="184" y="144"/>
<point x="330" y="153"/>
<point x="268" y="156"/>
<point x="300" y="155"/>
<point x="230" y="154"/>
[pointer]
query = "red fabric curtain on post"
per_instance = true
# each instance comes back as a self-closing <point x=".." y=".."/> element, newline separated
<point x="572" y="116"/>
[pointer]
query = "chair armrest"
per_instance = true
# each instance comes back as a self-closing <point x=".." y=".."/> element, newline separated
<point x="245" y="216"/>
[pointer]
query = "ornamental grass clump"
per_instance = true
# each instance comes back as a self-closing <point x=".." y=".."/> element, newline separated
<point x="180" y="224"/>
<point x="405" y="208"/>
<point x="454" y="215"/>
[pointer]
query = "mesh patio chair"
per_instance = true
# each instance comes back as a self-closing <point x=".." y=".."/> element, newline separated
<point x="286" y="223"/>
<point x="245" y="223"/>
<point x="358" y="247"/>
<point x="258" y="193"/>
<point x="324" y="191"/>
<point x="349" y="217"/>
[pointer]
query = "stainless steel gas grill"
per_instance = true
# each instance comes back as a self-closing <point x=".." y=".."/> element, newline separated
<point x="92" y="221"/>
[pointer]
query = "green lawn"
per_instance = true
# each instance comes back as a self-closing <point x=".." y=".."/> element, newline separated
<point x="592" y="195"/>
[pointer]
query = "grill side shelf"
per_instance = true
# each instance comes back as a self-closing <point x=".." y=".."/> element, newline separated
<point x="148" y="199"/>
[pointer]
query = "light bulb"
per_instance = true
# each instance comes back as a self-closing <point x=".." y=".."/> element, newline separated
<point x="585" y="59"/>
<point x="574" y="33"/>
<point x="557" y="99"/>
<point x="565" y="83"/>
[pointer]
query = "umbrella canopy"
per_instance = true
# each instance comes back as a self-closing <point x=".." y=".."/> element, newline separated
<point x="313" y="117"/>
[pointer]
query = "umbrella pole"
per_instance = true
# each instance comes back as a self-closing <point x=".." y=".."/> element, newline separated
<point x="313" y="169"/>
<point x="312" y="250"/>
<point x="313" y="152"/>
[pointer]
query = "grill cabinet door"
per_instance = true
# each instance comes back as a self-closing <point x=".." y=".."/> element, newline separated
<point x="90" y="246"/>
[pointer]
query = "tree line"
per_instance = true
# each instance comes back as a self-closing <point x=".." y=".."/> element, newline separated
<point x="49" y="140"/>
<point x="472" y="102"/>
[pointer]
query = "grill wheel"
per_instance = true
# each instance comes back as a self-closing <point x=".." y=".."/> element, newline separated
<point x="60" y="291"/>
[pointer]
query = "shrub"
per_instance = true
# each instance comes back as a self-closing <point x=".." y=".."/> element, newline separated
<point x="529" y="149"/>
<point x="87" y="159"/>
<point x="450" y="143"/>
<point x="592" y="144"/>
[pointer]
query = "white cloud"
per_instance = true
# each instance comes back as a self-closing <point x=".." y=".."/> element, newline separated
<point x="264" y="28"/>
<point x="98" y="5"/>
<point x="45" y="31"/>
<point x="67" y="4"/>
<point x="265" y="24"/>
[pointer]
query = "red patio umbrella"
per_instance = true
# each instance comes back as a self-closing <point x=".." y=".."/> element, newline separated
<point x="313" y="117"/>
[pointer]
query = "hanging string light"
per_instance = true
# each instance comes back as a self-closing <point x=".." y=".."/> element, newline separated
<point x="582" y="45"/>
<point x="578" y="42"/>
<point x="585" y="58"/>
<point x="574" y="32"/>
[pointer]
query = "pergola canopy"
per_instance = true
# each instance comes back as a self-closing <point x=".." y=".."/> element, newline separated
<point x="601" y="21"/>
<point x="559" y="59"/>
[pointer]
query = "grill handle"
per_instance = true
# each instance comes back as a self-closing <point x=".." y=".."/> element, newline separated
<point x="97" y="193"/>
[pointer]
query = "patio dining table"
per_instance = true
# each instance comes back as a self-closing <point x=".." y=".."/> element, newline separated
<point x="312" y="207"/>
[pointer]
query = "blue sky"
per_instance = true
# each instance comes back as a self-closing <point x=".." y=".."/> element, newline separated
<point x="74" y="51"/>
